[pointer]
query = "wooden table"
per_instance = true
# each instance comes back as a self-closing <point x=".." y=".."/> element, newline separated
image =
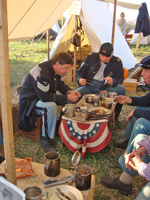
<point x="38" y="168"/>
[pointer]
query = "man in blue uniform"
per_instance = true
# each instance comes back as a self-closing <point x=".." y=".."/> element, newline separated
<point x="96" y="69"/>
<point x="136" y="159"/>
<point x="38" y="96"/>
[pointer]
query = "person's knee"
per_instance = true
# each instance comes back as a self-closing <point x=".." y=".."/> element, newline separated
<point x="52" y="107"/>
<point x="121" y="90"/>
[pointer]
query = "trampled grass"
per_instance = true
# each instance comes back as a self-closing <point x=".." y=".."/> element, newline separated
<point x="103" y="163"/>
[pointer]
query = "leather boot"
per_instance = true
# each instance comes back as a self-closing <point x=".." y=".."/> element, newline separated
<point x="115" y="183"/>
<point x="117" y="110"/>
<point x="122" y="145"/>
<point x="46" y="144"/>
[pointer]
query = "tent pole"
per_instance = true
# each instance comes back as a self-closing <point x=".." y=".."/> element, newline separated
<point x="75" y="48"/>
<point x="138" y="41"/>
<point x="47" y="41"/>
<point x="6" y="96"/>
<point x="114" y="22"/>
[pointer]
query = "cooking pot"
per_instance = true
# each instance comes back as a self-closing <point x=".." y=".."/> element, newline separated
<point x="89" y="98"/>
<point x="112" y="94"/>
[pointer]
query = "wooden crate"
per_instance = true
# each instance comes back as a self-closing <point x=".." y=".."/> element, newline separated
<point x="130" y="84"/>
<point x="36" y="133"/>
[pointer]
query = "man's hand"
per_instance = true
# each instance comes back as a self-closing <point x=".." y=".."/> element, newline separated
<point x="82" y="81"/>
<point x="133" y="160"/>
<point x="129" y="116"/>
<point x="123" y="99"/>
<point x="109" y="80"/>
<point x="73" y="96"/>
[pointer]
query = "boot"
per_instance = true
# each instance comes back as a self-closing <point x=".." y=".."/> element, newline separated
<point x="115" y="183"/>
<point x="117" y="110"/>
<point x="122" y="145"/>
<point x="46" y="144"/>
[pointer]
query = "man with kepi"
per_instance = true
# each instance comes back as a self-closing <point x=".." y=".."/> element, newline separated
<point x="98" y="68"/>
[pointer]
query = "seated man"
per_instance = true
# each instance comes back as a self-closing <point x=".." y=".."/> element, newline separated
<point x="135" y="160"/>
<point x="38" y="96"/>
<point x="96" y="69"/>
<point x="137" y="130"/>
<point x="139" y="118"/>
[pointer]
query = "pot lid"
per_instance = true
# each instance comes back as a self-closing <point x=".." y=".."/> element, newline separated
<point x="75" y="158"/>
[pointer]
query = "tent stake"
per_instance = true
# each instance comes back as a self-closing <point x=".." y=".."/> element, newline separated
<point x="75" y="48"/>
<point x="47" y="41"/>
<point x="114" y="22"/>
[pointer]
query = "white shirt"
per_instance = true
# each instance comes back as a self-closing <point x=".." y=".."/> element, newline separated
<point x="100" y="74"/>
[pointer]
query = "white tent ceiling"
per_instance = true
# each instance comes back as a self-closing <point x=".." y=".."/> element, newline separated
<point x="97" y="21"/>
<point x="125" y="5"/>
<point x="28" y="18"/>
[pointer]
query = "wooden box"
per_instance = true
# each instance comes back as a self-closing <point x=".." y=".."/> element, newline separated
<point x="36" y="133"/>
<point x="130" y="84"/>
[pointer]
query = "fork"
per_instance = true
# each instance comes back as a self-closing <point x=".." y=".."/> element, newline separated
<point x="60" y="192"/>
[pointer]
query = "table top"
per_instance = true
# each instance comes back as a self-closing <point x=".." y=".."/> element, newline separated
<point x="38" y="168"/>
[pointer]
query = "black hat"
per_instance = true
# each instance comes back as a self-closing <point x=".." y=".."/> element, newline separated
<point x="106" y="49"/>
<point x="145" y="62"/>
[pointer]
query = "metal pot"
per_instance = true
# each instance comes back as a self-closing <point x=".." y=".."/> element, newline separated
<point x="89" y="98"/>
<point x="103" y="94"/>
<point x="112" y="94"/>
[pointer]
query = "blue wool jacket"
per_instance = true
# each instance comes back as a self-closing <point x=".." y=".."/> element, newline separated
<point x="92" y="64"/>
<point x="143" y="101"/>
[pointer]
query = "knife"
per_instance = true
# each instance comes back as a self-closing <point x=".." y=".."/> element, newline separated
<point x="60" y="192"/>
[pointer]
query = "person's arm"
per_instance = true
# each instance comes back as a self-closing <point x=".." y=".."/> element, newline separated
<point x="82" y="72"/>
<point x="116" y="67"/>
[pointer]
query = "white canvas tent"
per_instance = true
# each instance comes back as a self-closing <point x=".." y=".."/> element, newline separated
<point x="29" y="18"/>
<point x="143" y="40"/>
<point x="97" y="21"/>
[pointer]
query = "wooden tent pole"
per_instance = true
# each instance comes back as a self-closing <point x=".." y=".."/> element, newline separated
<point x="47" y="41"/>
<point x="114" y="22"/>
<point x="75" y="48"/>
<point x="138" y="41"/>
<point x="6" y="95"/>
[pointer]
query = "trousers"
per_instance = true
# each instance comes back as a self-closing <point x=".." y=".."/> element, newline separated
<point x="48" y="111"/>
<point x="135" y="132"/>
<point x="97" y="86"/>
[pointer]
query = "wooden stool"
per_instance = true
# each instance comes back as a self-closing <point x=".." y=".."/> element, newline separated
<point x="36" y="133"/>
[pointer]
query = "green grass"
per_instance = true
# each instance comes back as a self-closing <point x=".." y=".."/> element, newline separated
<point x="103" y="163"/>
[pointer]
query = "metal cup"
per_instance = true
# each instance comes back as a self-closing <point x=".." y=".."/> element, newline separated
<point x="69" y="110"/>
<point x="52" y="164"/>
<point x="35" y="193"/>
<point x="82" y="174"/>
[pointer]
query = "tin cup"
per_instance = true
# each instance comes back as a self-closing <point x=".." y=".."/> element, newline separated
<point x="83" y="174"/>
<point x="35" y="193"/>
<point x="52" y="164"/>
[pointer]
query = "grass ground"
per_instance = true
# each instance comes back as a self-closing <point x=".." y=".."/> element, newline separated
<point x="103" y="163"/>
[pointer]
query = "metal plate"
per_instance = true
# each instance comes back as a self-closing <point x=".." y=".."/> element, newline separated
<point x="99" y="111"/>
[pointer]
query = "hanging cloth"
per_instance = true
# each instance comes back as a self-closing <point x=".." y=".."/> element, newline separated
<point x="143" y="22"/>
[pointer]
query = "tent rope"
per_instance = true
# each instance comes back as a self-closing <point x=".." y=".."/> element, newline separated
<point x="48" y="17"/>
<point x="21" y="18"/>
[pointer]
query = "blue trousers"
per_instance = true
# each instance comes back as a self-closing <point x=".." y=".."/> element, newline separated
<point x="48" y="111"/>
<point x="98" y="86"/>
<point x="135" y="132"/>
